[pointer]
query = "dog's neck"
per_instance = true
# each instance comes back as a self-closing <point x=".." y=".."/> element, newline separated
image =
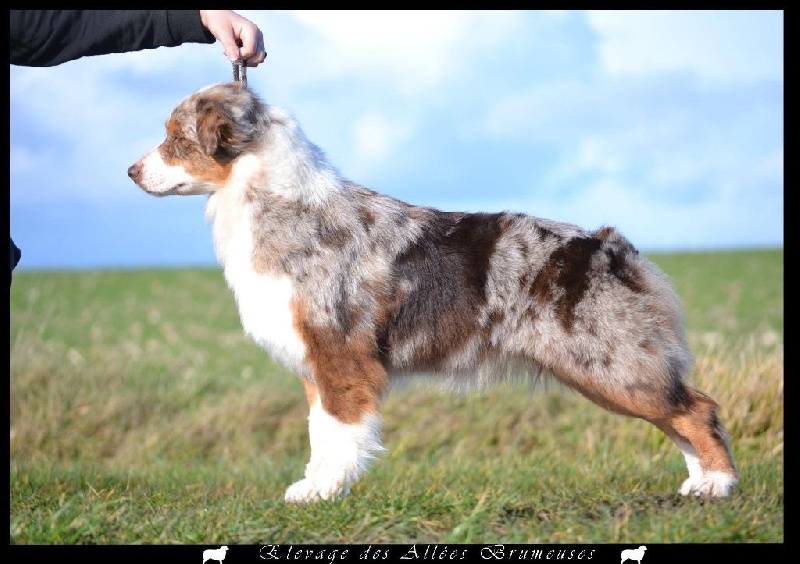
<point x="297" y="168"/>
<point x="254" y="195"/>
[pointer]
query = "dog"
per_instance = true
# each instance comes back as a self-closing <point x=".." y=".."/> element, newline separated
<point x="215" y="554"/>
<point x="352" y="290"/>
<point x="633" y="554"/>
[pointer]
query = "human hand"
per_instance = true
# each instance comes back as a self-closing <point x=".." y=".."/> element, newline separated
<point x="231" y="29"/>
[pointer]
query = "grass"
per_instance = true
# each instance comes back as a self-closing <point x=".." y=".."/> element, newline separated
<point x="140" y="413"/>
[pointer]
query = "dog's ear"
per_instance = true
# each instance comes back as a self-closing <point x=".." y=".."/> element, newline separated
<point x="222" y="131"/>
<point x="210" y="122"/>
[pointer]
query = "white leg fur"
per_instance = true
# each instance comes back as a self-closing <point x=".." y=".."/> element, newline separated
<point x="699" y="483"/>
<point x="340" y="453"/>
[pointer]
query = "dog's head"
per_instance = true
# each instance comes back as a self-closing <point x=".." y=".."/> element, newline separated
<point x="206" y="134"/>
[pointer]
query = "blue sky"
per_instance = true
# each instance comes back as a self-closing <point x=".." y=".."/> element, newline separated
<point x="668" y="125"/>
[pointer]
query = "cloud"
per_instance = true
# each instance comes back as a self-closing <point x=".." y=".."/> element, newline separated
<point x="665" y="134"/>
<point x="717" y="45"/>
<point x="377" y="138"/>
<point x="630" y="118"/>
<point x="419" y="49"/>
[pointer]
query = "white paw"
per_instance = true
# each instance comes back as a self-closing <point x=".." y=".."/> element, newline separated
<point x="710" y="484"/>
<point x="301" y="491"/>
<point x="305" y="491"/>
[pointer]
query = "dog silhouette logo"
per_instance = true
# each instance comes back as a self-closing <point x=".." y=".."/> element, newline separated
<point x="633" y="554"/>
<point x="216" y="554"/>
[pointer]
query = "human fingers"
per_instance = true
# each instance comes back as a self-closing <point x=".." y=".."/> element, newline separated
<point x="220" y="24"/>
<point x="252" y="49"/>
<point x="240" y="37"/>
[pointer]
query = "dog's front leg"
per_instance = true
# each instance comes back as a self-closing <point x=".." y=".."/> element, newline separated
<point x="344" y="431"/>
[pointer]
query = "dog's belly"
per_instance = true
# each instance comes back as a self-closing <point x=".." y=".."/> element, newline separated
<point x="264" y="302"/>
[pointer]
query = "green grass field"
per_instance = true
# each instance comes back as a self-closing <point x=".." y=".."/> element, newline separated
<point x="140" y="413"/>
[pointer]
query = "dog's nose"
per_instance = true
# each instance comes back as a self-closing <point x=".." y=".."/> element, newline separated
<point x="134" y="171"/>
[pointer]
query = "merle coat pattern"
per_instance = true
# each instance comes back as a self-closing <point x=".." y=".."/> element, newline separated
<point x="353" y="289"/>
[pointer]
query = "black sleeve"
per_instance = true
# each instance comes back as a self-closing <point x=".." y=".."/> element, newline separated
<point x="43" y="38"/>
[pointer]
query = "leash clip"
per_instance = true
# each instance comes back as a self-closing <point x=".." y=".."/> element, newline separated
<point x="240" y="75"/>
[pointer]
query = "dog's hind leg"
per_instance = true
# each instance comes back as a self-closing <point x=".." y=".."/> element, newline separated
<point x="688" y="417"/>
<point x="344" y="422"/>
<point x="705" y="445"/>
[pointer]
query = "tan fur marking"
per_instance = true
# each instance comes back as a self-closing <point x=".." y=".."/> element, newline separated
<point x="603" y="233"/>
<point x="349" y="377"/>
<point x="310" y="388"/>
<point x="697" y="424"/>
<point x="634" y="403"/>
<point x="700" y="426"/>
<point x="176" y="150"/>
<point x="206" y="168"/>
<point x="172" y="126"/>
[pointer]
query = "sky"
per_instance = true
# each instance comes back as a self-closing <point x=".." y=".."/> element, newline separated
<point x="665" y="124"/>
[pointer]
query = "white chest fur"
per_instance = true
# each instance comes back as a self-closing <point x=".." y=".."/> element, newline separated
<point x="264" y="300"/>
